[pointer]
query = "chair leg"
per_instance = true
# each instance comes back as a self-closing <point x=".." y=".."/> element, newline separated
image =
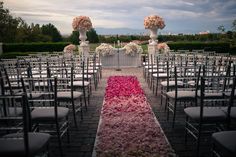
<point x="161" y="99"/>
<point x="166" y="101"/>
<point x="81" y="111"/>
<point x="85" y="101"/>
<point x="167" y="106"/>
<point x="59" y="139"/>
<point x="186" y="131"/>
<point x="74" y="113"/>
<point x="156" y="87"/>
<point x="174" y="114"/>
<point x="67" y="131"/>
<point x="199" y="140"/>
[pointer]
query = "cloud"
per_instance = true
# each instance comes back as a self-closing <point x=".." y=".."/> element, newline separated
<point x="179" y="15"/>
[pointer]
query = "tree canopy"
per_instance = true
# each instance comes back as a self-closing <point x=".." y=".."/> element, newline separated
<point x="15" y="29"/>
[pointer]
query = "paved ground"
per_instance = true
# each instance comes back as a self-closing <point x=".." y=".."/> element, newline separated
<point x="82" y="139"/>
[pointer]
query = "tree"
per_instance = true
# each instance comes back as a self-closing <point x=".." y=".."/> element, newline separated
<point x="52" y="31"/>
<point x="92" y="36"/>
<point x="221" y="28"/>
<point x="74" y="37"/>
<point x="234" y="26"/>
<point x="8" y="25"/>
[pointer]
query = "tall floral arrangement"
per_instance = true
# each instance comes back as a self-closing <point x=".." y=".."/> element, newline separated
<point x="153" y="21"/>
<point x="82" y="22"/>
<point x="70" y="48"/>
<point x="105" y="49"/>
<point x="163" y="48"/>
<point x="132" y="49"/>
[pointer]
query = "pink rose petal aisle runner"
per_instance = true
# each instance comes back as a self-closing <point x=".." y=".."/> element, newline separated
<point x="128" y="126"/>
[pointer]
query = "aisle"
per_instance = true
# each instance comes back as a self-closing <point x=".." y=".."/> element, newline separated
<point x="127" y="124"/>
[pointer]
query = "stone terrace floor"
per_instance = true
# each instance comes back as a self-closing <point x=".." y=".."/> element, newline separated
<point x="82" y="139"/>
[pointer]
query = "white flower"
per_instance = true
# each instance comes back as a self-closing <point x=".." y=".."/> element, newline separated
<point x="105" y="50"/>
<point x="132" y="49"/>
<point x="69" y="48"/>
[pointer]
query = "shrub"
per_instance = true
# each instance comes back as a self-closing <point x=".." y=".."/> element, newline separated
<point x="219" y="47"/>
<point x="34" y="47"/>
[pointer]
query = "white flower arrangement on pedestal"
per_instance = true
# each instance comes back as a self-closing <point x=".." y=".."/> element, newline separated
<point x="154" y="21"/>
<point x="82" y="22"/>
<point x="163" y="48"/>
<point x="132" y="49"/>
<point x="70" y="48"/>
<point x="105" y="50"/>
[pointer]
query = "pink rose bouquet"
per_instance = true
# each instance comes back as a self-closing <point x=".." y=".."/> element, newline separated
<point x="82" y="22"/>
<point x="154" y="21"/>
<point x="163" y="48"/>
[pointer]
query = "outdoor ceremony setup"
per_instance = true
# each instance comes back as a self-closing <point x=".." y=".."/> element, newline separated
<point x="124" y="103"/>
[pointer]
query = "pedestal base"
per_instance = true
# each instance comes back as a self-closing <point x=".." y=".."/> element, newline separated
<point x="152" y="51"/>
<point x="84" y="51"/>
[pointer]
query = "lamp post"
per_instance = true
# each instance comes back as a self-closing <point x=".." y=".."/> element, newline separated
<point x="118" y="56"/>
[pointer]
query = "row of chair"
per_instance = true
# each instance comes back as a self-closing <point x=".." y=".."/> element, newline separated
<point x="37" y="95"/>
<point x="203" y="85"/>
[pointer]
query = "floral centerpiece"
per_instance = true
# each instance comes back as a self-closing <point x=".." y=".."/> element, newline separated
<point x="163" y="48"/>
<point x="82" y="22"/>
<point x="153" y="22"/>
<point x="132" y="49"/>
<point x="70" y="49"/>
<point x="105" y="49"/>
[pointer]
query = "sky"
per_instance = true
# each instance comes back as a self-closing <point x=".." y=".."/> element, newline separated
<point x="180" y="16"/>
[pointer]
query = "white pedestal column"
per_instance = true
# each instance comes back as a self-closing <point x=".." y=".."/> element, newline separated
<point x="152" y="51"/>
<point x="84" y="51"/>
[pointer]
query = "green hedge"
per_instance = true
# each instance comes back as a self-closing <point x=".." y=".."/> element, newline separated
<point x="233" y="50"/>
<point x="34" y="47"/>
<point x="219" y="47"/>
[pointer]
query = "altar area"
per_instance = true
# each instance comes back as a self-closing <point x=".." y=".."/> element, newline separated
<point x="121" y="59"/>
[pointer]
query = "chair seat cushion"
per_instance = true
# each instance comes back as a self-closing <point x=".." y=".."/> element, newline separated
<point x="210" y="114"/>
<point x="45" y="114"/>
<point x="81" y="75"/>
<point x="148" y="67"/>
<point x="193" y="83"/>
<point x="152" y="70"/>
<point x="171" y="83"/>
<point x="34" y="95"/>
<point x="181" y="94"/>
<point x="225" y="142"/>
<point x="13" y="111"/>
<point x="211" y="94"/>
<point x="66" y="95"/>
<point x="13" y="144"/>
<point x="160" y="75"/>
<point x="91" y="71"/>
<point x="80" y="83"/>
